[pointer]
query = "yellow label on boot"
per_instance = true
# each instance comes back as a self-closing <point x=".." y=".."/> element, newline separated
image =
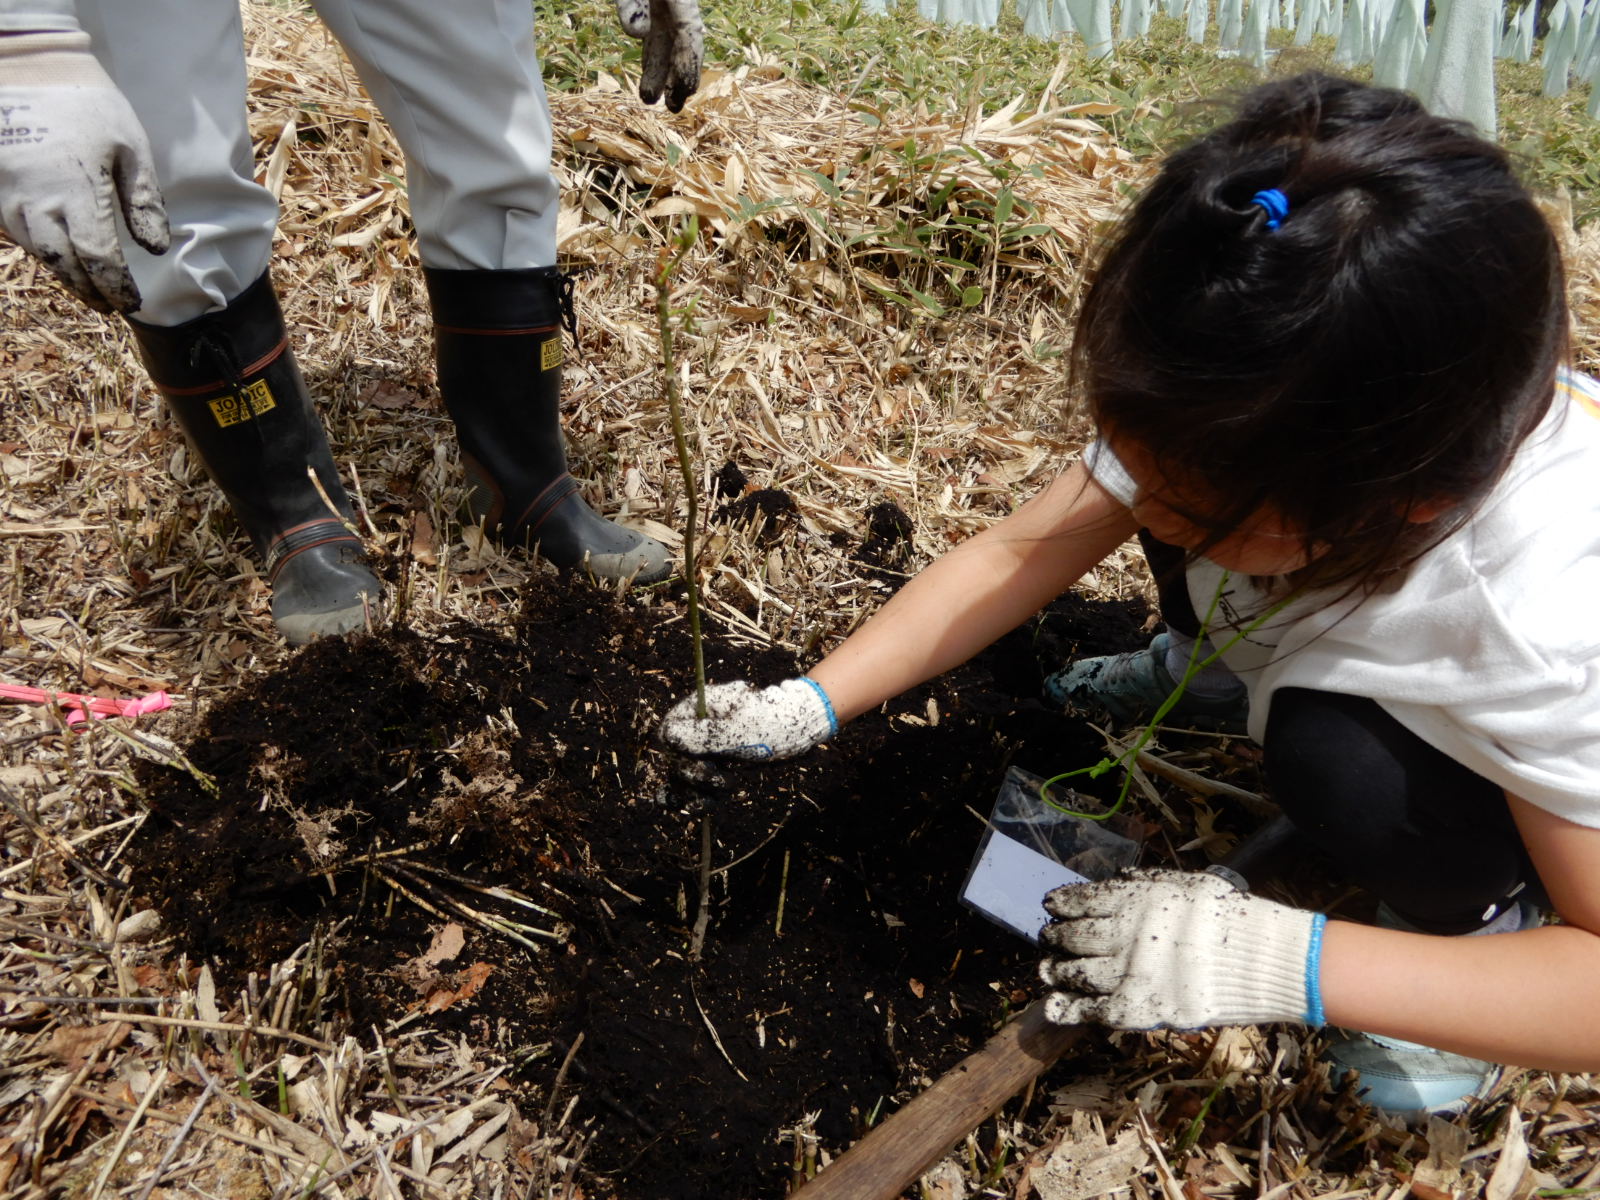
<point x="237" y="407"/>
<point x="550" y="353"/>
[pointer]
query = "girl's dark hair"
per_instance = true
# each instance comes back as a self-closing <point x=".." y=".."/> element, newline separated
<point x="1385" y="349"/>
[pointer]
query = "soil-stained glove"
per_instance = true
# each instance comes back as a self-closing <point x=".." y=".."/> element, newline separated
<point x="1178" y="949"/>
<point x="72" y="154"/>
<point x="674" y="43"/>
<point x="743" y="722"/>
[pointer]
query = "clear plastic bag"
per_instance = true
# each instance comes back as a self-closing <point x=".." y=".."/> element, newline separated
<point x="1030" y="847"/>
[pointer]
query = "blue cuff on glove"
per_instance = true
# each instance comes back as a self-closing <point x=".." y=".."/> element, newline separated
<point x="827" y="705"/>
<point x="1314" y="1014"/>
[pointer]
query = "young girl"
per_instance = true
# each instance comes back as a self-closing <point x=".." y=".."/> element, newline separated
<point x="1325" y="357"/>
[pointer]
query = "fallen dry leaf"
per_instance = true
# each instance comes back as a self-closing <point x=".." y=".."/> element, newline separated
<point x="466" y="986"/>
<point x="1084" y="1165"/>
<point x="1511" y="1175"/>
<point x="446" y="944"/>
<point x="74" y="1045"/>
<point x="384" y="394"/>
<point x="151" y="977"/>
<point x="476" y="975"/>
<point x="98" y="676"/>
<point x="1436" y="1176"/>
<point x="424" y="542"/>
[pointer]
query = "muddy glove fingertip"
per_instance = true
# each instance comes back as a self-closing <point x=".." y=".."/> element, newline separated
<point x="634" y="17"/>
<point x="1062" y="1009"/>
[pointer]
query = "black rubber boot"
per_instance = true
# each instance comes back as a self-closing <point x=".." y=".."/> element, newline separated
<point x="498" y="340"/>
<point x="233" y="385"/>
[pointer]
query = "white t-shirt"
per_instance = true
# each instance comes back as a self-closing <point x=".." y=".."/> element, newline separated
<point x="1487" y="648"/>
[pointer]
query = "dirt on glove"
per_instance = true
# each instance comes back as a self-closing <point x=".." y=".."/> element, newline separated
<point x="838" y="972"/>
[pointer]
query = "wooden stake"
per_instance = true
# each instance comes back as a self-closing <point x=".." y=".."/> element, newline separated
<point x="894" y="1155"/>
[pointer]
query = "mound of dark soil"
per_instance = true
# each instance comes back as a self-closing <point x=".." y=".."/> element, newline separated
<point x="838" y="971"/>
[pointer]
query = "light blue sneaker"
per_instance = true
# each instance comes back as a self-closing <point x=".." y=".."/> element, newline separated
<point x="1407" y="1079"/>
<point x="1131" y="687"/>
<point x="1410" y="1080"/>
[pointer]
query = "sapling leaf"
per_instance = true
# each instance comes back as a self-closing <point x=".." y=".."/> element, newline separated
<point x="869" y="235"/>
<point x="1003" y="205"/>
<point x="887" y="293"/>
<point x="1027" y="231"/>
<point x="823" y="182"/>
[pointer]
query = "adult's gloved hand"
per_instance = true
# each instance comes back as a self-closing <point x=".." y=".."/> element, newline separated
<point x="72" y="154"/>
<point x="1183" y="950"/>
<point x="753" y="724"/>
<point x="674" y="43"/>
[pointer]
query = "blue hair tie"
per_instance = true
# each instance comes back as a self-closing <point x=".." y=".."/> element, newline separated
<point x="1274" y="203"/>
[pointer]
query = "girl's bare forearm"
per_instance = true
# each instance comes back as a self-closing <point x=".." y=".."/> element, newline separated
<point x="1524" y="998"/>
<point x="982" y="589"/>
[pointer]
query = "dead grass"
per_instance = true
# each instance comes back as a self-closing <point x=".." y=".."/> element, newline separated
<point x="829" y="353"/>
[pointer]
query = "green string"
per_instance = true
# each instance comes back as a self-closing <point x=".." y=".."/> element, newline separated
<point x="1128" y="757"/>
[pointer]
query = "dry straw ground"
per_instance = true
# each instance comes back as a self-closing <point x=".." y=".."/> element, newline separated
<point x="824" y="351"/>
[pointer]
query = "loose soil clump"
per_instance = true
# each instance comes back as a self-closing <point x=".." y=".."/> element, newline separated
<point x="766" y="512"/>
<point x="839" y="972"/>
<point x="887" y="548"/>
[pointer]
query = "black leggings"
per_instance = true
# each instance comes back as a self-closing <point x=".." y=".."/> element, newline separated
<point x="1399" y="818"/>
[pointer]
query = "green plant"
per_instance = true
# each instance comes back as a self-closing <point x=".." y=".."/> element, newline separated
<point x="1192" y="1131"/>
<point x="1196" y="664"/>
<point x="1162" y="83"/>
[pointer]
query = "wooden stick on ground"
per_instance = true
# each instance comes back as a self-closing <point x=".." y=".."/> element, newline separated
<point x="896" y="1153"/>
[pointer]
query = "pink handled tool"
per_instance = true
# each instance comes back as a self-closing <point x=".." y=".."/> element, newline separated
<point x="80" y="707"/>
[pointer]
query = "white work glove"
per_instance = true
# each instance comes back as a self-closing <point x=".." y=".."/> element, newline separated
<point x="72" y="155"/>
<point x="1178" y="949"/>
<point x="742" y="722"/>
<point x="674" y="43"/>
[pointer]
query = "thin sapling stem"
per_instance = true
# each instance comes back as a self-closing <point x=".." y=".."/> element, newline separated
<point x="669" y="261"/>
